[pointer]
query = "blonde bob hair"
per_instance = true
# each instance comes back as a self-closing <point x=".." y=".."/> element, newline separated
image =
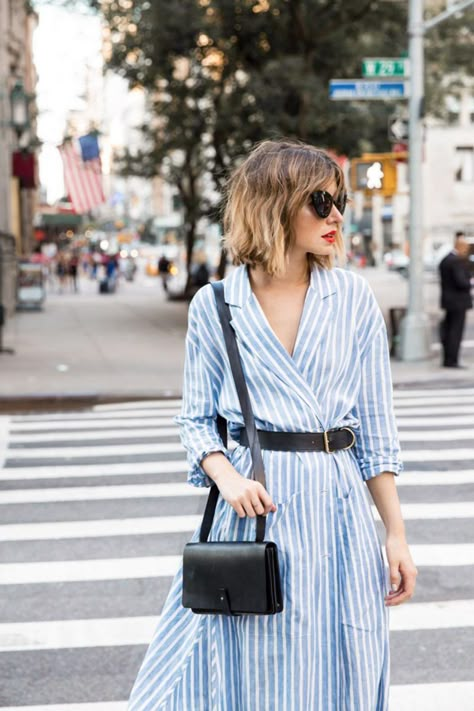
<point x="265" y="193"/>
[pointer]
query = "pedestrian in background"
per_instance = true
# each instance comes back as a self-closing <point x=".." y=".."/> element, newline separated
<point x="61" y="271"/>
<point x="200" y="274"/>
<point x="455" y="299"/>
<point x="164" y="265"/>
<point x="313" y="346"/>
<point x="72" y="270"/>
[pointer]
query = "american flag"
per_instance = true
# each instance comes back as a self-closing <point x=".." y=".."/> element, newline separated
<point x="83" y="173"/>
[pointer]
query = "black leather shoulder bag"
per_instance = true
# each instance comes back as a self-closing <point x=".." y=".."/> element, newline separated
<point x="233" y="577"/>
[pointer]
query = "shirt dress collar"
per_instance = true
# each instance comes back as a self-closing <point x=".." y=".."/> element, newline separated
<point x="256" y="335"/>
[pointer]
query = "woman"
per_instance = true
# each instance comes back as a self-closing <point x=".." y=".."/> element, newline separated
<point x="313" y="345"/>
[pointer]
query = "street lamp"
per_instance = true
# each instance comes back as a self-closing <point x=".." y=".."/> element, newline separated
<point x="20" y="119"/>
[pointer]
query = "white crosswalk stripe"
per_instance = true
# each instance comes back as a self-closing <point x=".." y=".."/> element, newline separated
<point x="420" y="411"/>
<point x="94" y="493"/>
<point x="98" y="528"/>
<point x="88" y="436"/>
<point x="452" y="454"/>
<point x="139" y="405"/>
<point x="185" y="524"/>
<point x="462" y="420"/>
<point x="426" y="394"/>
<point x="124" y="456"/>
<point x="91" y="423"/>
<point x="448" y="477"/>
<point x="117" y="415"/>
<point x="431" y="697"/>
<point x="104" y="450"/>
<point x="166" y="566"/>
<point x="84" y="471"/>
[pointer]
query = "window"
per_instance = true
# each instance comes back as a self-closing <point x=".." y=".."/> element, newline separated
<point x="464" y="164"/>
<point x="177" y="203"/>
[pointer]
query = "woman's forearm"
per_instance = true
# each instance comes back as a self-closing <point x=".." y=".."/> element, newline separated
<point x="385" y="496"/>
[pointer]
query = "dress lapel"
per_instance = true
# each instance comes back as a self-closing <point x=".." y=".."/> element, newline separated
<point x="315" y="318"/>
<point x="257" y="336"/>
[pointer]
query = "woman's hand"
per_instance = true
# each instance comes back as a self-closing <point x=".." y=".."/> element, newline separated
<point x="402" y="570"/>
<point x="246" y="496"/>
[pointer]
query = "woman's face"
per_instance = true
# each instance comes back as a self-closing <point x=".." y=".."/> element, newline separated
<point x="315" y="234"/>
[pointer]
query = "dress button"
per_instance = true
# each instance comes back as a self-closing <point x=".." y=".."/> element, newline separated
<point x="324" y="491"/>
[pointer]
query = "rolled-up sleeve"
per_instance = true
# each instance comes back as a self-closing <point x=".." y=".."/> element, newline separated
<point x="203" y="376"/>
<point x="377" y="444"/>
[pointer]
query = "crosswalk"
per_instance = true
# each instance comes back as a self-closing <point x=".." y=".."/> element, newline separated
<point x="95" y="511"/>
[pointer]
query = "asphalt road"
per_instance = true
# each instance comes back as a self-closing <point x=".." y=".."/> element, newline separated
<point x="94" y="515"/>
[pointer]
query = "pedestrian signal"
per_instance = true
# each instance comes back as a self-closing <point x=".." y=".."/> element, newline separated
<point x="375" y="176"/>
<point x="375" y="171"/>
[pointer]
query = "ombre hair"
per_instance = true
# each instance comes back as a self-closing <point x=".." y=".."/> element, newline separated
<point x="265" y="193"/>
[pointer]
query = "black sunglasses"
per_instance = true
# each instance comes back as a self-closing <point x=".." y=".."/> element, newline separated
<point x="323" y="201"/>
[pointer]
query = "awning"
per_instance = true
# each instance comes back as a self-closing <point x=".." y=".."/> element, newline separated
<point x="53" y="219"/>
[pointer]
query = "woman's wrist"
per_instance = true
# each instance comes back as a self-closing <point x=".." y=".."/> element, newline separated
<point x="216" y="465"/>
<point x="397" y="531"/>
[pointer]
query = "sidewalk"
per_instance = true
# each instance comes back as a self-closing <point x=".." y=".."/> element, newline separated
<point x="91" y="347"/>
<point x="96" y="346"/>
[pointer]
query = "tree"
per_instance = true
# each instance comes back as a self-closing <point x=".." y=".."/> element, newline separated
<point x="450" y="61"/>
<point x="223" y="74"/>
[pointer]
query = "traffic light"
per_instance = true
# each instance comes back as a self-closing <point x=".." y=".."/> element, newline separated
<point x="376" y="171"/>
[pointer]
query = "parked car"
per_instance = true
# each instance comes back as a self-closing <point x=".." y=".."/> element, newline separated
<point x="397" y="261"/>
<point x="431" y="261"/>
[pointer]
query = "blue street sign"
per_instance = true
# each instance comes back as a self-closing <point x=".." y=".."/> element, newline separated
<point x="360" y="89"/>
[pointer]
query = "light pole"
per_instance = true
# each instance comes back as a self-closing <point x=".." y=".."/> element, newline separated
<point x="415" y="327"/>
<point x="414" y="330"/>
<point x="20" y="123"/>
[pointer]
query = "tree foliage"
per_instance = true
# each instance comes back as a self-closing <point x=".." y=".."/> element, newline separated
<point x="449" y="61"/>
<point x="223" y="74"/>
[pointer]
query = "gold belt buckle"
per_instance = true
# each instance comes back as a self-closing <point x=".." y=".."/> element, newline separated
<point x="326" y="444"/>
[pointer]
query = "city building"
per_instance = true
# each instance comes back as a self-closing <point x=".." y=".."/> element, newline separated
<point x="18" y="141"/>
<point x="381" y="192"/>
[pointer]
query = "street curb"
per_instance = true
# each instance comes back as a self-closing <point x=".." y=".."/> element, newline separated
<point x="49" y="402"/>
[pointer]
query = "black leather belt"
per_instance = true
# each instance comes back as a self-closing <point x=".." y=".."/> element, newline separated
<point x="330" y="441"/>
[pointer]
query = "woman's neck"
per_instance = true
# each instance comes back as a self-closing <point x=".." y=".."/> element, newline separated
<point x="295" y="275"/>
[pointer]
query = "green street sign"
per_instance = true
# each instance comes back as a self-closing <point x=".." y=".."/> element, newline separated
<point x="385" y="67"/>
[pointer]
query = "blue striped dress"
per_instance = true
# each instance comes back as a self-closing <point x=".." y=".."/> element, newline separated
<point x="329" y="649"/>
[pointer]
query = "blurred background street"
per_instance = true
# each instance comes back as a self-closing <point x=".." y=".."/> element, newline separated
<point x="87" y="346"/>
<point x="120" y="121"/>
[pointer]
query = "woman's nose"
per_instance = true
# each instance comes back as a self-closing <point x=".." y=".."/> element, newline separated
<point x="335" y="216"/>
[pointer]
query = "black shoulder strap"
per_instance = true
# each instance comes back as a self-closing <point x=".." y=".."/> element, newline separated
<point x="249" y="420"/>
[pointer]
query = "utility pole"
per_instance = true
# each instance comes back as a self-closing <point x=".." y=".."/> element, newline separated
<point x="415" y="327"/>
<point x="414" y="331"/>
